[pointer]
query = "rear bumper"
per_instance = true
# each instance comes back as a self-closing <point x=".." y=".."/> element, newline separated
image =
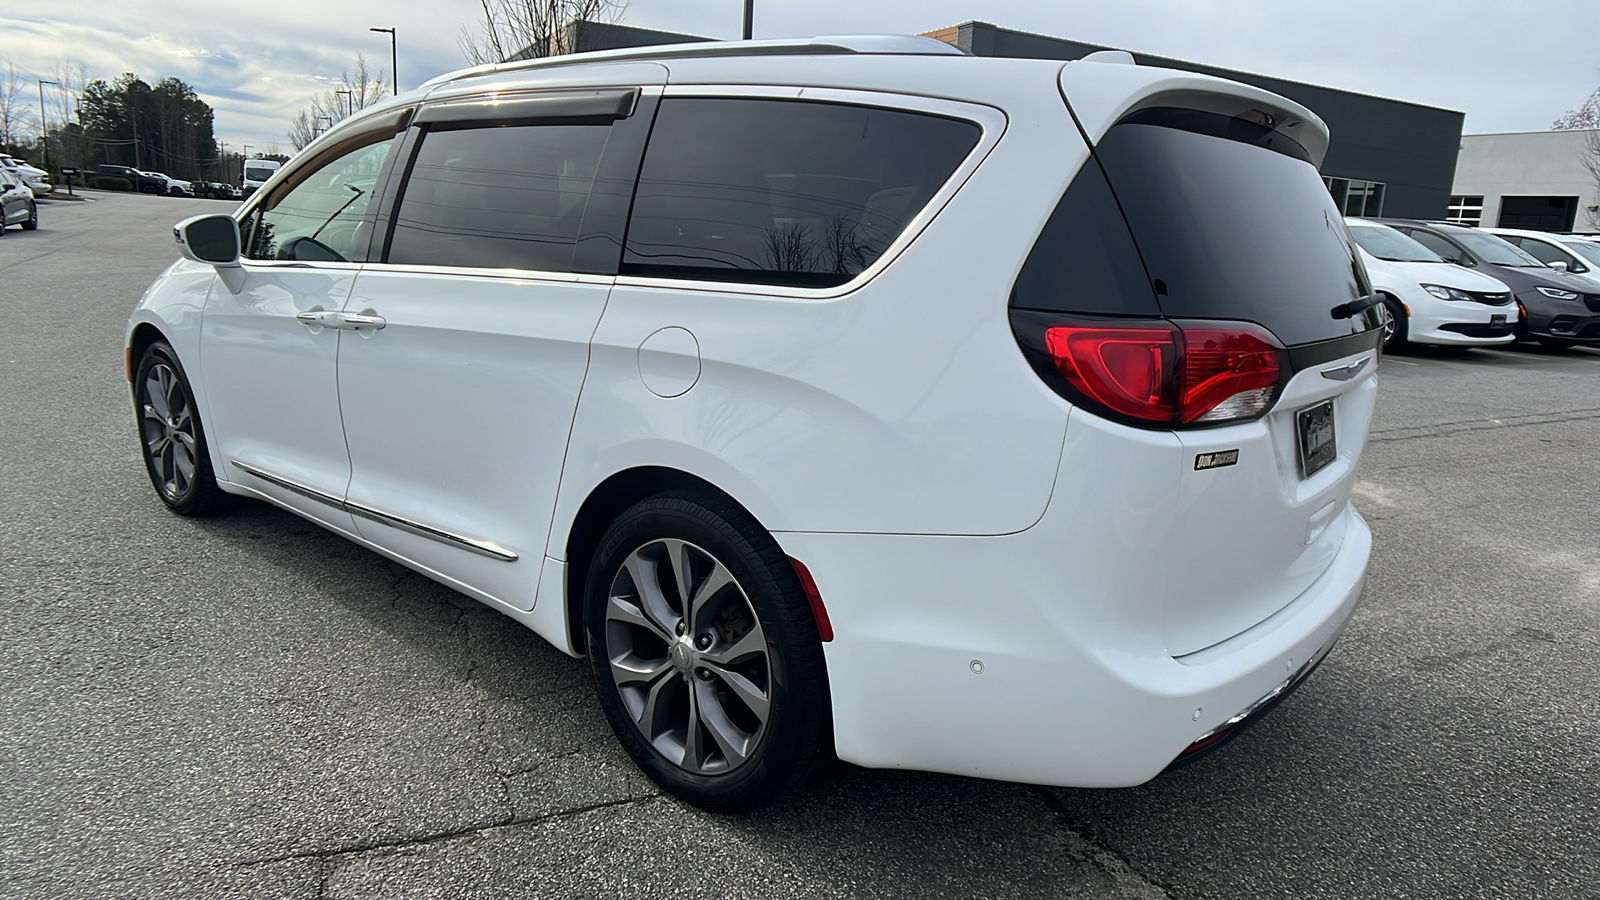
<point x="991" y="657"/>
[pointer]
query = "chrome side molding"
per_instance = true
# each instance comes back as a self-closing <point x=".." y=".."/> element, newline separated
<point x="459" y="541"/>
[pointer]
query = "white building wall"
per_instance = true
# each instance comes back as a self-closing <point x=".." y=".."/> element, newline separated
<point x="1528" y="163"/>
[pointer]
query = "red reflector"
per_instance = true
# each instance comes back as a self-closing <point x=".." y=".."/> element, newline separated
<point x="1159" y="373"/>
<point x="1127" y="369"/>
<point x="814" y="597"/>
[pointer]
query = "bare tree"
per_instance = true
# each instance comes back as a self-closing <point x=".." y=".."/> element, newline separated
<point x="1585" y="116"/>
<point x="789" y="247"/>
<point x="357" y="89"/>
<point x="16" y="121"/>
<point x="528" y="29"/>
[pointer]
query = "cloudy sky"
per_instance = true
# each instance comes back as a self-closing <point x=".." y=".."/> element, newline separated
<point x="1508" y="66"/>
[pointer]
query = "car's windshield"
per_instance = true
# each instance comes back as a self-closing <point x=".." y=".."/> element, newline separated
<point x="1589" y="250"/>
<point x="1386" y="243"/>
<point x="255" y="174"/>
<point x="1493" y="250"/>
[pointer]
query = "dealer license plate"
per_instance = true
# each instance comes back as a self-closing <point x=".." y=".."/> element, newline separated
<point x="1497" y="319"/>
<point x="1317" y="447"/>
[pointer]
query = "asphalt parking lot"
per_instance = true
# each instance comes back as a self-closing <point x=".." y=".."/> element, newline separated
<point x="246" y="706"/>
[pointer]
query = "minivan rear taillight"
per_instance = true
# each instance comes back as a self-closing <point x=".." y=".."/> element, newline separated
<point x="1157" y="373"/>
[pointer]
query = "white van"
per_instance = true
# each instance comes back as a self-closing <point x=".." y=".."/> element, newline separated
<point x="256" y="173"/>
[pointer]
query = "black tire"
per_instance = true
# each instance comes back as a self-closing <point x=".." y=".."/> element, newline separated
<point x="778" y="753"/>
<point x="33" y="218"/>
<point x="1557" y="343"/>
<point x="168" y="439"/>
<point x="1396" y="338"/>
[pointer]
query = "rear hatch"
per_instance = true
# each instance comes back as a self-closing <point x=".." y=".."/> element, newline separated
<point x="1224" y="235"/>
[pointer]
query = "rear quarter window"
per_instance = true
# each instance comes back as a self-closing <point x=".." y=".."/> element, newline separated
<point x="783" y="192"/>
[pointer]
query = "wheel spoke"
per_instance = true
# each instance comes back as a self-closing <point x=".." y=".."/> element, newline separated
<point x="174" y="389"/>
<point x="730" y="739"/>
<point x="155" y="444"/>
<point x="753" y="641"/>
<point x="629" y="669"/>
<point x="645" y="574"/>
<point x="155" y="391"/>
<point x="682" y="571"/>
<point x="751" y="696"/>
<point x="713" y="584"/>
<point x="693" y="753"/>
<point x="183" y="464"/>
<point x="655" y="706"/>
<point x="618" y="609"/>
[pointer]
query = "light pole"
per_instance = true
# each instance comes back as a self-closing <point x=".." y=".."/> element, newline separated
<point x="44" y="123"/>
<point x="749" y="16"/>
<point x="320" y="119"/>
<point x="394" y="64"/>
<point x="349" y="102"/>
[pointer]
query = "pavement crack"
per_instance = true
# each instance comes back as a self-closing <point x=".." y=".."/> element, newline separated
<point x="1102" y="859"/>
<point x="329" y="857"/>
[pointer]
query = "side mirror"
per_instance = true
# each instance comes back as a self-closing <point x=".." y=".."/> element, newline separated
<point x="1559" y="265"/>
<point x="212" y="239"/>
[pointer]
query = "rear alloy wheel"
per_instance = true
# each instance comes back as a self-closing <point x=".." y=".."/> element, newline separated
<point x="1393" y="318"/>
<point x="173" y="440"/>
<point x="705" y="653"/>
<point x="33" y="218"/>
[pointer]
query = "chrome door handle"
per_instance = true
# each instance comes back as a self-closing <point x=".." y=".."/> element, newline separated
<point x="319" y="317"/>
<point x="354" y="321"/>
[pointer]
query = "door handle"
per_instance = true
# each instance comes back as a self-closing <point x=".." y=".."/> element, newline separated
<point x="318" y="317"/>
<point x="354" y="321"/>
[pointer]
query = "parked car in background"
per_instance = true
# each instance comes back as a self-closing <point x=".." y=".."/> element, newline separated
<point x="256" y="173"/>
<point x="35" y="179"/>
<point x="17" y="204"/>
<point x="1427" y="300"/>
<point x="1558" y="309"/>
<point x="1561" y="251"/>
<point x="744" y="396"/>
<point x="215" y="190"/>
<point x="143" y="182"/>
<point x="176" y="187"/>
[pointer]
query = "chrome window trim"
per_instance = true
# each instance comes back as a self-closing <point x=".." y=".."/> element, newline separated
<point x="460" y="541"/>
<point x="991" y="122"/>
<point x="539" y="275"/>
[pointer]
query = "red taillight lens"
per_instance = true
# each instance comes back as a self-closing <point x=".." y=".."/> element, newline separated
<point x="1227" y="374"/>
<point x="1127" y="369"/>
<point x="1169" y="374"/>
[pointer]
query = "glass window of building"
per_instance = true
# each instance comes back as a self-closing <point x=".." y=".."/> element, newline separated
<point x="1356" y="197"/>
<point x="1467" y="210"/>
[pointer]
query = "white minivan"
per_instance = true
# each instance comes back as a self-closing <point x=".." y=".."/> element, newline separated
<point x="995" y="417"/>
<point x="1427" y="300"/>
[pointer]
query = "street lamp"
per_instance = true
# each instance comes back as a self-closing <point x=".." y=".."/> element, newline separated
<point x="44" y="123"/>
<point x="320" y="119"/>
<point x="749" y="15"/>
<point x="394" y="64"/>
<point x="349" y="102"/>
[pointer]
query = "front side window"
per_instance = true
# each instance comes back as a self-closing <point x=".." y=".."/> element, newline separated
<point x="499" y="198"/>
<point x="320" y="219"/>
<point x="1448" y="251"/>
<point x="784" y="192"/>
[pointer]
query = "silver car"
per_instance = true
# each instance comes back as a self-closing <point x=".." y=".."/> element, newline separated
<point x="17" y="206"/>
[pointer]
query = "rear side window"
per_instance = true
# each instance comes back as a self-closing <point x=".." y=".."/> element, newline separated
<point x="1085" y="261"/>
<point x="500" y="198"/>
<point x="783" y="192"/>
<point x="1235" y="230"/>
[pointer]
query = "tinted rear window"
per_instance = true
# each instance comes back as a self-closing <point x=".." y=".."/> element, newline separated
<point x="783" y="191"/>
<point x="1230" y="230"/>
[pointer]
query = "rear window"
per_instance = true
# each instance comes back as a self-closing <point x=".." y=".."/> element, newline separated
<point x="783" y="192"/>
<point x="1235" y="230"/>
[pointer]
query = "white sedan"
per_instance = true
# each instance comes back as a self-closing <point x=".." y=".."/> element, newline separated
<point x="1427" y="300"/>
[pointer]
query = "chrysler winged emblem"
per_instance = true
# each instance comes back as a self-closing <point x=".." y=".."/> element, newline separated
<point x="1346" y="372"/>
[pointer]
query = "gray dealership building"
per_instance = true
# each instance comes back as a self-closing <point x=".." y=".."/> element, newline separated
<point x="1387" y="157"/>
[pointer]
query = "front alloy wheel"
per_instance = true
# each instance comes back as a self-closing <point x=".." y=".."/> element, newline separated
<point x="174" y="442"/>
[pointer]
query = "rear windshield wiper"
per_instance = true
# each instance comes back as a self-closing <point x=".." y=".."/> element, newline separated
<point x="1356" y="307"/>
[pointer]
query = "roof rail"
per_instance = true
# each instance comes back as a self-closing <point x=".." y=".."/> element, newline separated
<point x="873" y="44"/>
